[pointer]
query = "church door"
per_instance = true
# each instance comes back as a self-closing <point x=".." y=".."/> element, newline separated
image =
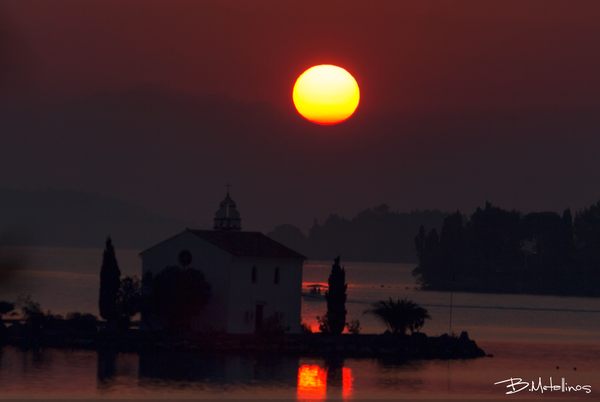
<point x="259" y="316"/>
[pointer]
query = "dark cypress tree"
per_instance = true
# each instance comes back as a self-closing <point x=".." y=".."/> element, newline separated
<point x="336" y="299"/>
<point x="110" y="283"/>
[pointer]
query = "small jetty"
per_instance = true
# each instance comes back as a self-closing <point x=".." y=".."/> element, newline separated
<point x="314" y="293"/>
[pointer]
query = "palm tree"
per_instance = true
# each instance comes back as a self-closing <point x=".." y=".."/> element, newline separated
<point x="419" y="315"/>
<point x="399" y="315"/>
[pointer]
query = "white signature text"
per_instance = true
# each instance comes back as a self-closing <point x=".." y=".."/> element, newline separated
<point x="517" y="385"/>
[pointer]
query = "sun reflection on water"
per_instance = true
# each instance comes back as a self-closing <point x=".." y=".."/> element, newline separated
<point x="312" y="382"/>
<point x="347" y="389"/>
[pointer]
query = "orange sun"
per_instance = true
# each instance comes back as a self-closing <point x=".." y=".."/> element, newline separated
<point x="326" y="94"/>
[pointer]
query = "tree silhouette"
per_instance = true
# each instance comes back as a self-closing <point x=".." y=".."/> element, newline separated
<point x="400" y="315"/>
<point x="336" y="299"/>
<point x="85" y="322"/>
<point x="177" y="295"/>
<point x="5" y="308"/>
<point x="586" y="229"/>
<point x="430" y="268"/>
<point x="550" y="254"/>
<point x="568" y="242"/>
<point x="485" y="254"/>
<point x="452" y="245"/>
<point x="502" y="251"/>
<point x="496" y="242"/>
<point x="110" y="283"/>
<point x="129" y="300"/>
<point x="31" y="312"/>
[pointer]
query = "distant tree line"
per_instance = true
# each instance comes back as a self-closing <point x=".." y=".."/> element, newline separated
<point x="503" y="251"/>
<point x="374" y="235"/>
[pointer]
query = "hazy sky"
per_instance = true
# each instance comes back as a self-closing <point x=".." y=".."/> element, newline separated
<point x="461" y="102"/>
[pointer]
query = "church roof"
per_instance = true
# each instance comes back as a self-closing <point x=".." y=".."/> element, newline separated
<point x="247" y="244"/>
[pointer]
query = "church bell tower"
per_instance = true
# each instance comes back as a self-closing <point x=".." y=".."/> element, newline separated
<point x="227" y="217"/>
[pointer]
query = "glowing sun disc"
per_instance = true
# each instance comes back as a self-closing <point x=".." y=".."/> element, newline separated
<point x="326" y="94"/>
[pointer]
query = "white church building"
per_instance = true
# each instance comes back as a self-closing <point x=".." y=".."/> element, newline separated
<point x="252" y="276"/>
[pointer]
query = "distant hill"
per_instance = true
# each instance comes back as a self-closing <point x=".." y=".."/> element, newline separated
<point x="64" y="218"/>
<point x="77" y="219"/>
<point x="373" y="235"/>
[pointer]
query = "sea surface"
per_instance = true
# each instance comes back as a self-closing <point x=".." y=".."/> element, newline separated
<point x="539" y="339"/>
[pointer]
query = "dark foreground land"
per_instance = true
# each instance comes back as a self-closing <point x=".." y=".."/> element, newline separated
<point x="415" y="346"/>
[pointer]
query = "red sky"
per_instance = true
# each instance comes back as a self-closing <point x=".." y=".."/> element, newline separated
<point x="477" y="78"/>
<point x="405" y="54"/>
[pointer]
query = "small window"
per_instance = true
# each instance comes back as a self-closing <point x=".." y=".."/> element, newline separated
<point x="254" y="274"/>
<point x="276" y="275"/>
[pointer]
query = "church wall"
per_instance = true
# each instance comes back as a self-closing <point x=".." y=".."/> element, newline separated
<point x="290" y="294"/>
<point x="211" y="260"/>
<point x="284" y="298"/>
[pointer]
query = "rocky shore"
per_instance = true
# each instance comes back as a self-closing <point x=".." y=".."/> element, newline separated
<point x="415" y="346"/>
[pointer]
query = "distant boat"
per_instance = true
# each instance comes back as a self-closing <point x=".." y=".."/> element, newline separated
<point x="314" y="294"/>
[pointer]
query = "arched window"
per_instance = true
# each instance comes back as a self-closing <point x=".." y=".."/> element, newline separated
<point x="276" y="275"/>
<point x="254" y="274"/>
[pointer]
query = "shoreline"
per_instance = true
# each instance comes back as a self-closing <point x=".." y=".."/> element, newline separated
<point x="400" y="347"/>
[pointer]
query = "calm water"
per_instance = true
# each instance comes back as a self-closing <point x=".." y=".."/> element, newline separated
<point x="529" y="336"/>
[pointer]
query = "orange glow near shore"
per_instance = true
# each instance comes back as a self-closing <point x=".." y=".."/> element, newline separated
<point x="326" y="94"/>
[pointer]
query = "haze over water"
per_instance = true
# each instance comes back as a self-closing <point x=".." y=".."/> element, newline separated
<point x="528" y="335"/>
